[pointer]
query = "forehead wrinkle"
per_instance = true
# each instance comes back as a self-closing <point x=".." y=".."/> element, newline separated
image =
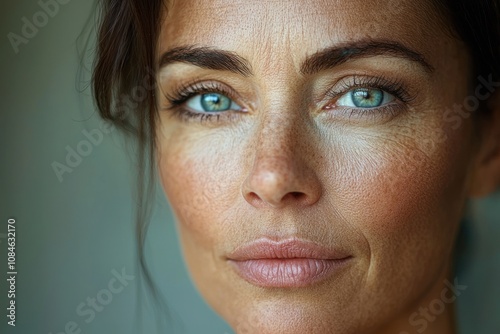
<point x="270" y="61"/>
<point x="273" y="39"/>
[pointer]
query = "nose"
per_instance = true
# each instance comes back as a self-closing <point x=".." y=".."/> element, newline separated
<point x="283" y="171"/>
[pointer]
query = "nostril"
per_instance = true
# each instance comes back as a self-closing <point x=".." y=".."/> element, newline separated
<point x="263" y="188"/>
<point x="256" y="200"/>
<point x="253" y="198"/>
<point x="296" y="195"/>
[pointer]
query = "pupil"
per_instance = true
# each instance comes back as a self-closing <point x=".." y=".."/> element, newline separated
<point x="367" y="98"/>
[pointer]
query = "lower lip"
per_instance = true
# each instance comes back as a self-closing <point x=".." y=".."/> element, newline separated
<point x="287" y="273"/>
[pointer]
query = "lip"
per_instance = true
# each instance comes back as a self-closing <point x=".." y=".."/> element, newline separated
<point x="291" y="263"/>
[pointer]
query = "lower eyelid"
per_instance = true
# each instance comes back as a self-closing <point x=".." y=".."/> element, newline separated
<point x="377" y="115"/>
<point x="222" y="117"/>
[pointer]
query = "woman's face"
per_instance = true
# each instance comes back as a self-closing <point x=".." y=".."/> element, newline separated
<point x="335" y="123"/>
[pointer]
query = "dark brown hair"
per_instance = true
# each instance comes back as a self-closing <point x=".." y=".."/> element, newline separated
<point x="123" y="84"/>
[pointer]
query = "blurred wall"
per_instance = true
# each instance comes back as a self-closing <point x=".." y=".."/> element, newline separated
<point x="74" y="232"/>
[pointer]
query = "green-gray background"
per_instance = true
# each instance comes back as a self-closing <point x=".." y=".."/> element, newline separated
<point x="71" y="235"/>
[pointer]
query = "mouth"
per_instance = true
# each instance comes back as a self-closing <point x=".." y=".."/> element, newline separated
<point x="289" y="263"/>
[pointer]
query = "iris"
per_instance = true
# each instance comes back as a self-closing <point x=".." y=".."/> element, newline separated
<point x="367" y="97"/>
<point x="215" y="102"/>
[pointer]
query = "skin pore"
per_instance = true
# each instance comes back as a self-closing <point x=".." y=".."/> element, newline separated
<point x="292" y="157"/>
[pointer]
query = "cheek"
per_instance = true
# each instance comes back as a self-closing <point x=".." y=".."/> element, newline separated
<point x="405" y="195"/>
<point x="190" y="189"/>
<point x="196" y="178"/>
<point x="199" y="182"/>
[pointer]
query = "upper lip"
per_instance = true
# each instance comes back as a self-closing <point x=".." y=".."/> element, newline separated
<point x="293" y="248"/>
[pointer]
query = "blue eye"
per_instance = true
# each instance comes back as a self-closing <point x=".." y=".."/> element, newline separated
<point x="365" y="98"/>
<point x="211" y="102"/>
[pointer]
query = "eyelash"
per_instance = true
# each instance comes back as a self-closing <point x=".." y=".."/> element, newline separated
<point x="185" y="92"/>
<point x="390" y="86"/>
<point x="393" y="87"/>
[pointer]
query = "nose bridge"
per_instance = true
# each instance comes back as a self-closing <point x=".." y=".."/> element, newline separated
<point x="280" y="169"/>
<point x="282" y="125"/>
<point x="276" y="153"/>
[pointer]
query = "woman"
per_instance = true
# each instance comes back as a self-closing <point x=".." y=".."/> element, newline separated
<point x="318" y="155"/>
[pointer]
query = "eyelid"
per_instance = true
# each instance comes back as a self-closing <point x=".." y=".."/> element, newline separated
<point x="348" y="96"/>
<point x="179" y="97"/>
<point x="394" y="87"/>
<point x="373" y="116"/>
<point x="193" y="88"/>
<point x="197" y="99"/>
<point x="377" y="115"/>
<point x="183" y="92"/>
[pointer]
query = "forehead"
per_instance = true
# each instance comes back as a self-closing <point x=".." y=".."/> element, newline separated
<point x="256" y="28"/>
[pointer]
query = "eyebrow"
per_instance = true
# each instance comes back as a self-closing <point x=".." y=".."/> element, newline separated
<point x="337" y="55"/>
<point x="208" y="58"/>
<point x="221" y="60"/>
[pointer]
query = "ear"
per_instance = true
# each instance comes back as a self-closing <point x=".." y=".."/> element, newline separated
<point x="486" y="178"/>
